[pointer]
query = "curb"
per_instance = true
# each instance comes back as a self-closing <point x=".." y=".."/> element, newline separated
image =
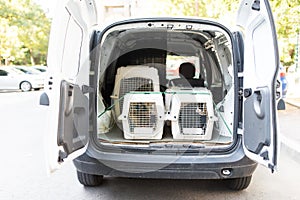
<point x="292" y="103"/>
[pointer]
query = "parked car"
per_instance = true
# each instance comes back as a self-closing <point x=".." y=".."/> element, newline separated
<point x="27" y="70"/>
<point x="30" y="70"/>
<point x="13" y="79"/>
<point x="110" y="108"/>
<point x="42" y="69"/>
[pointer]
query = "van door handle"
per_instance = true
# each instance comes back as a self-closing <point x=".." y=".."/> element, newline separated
<point x="259" y="104"/>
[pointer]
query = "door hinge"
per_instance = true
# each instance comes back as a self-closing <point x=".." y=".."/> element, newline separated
<point x="87" y="89"/>
<point x="209" y="45"/>
<point x="44" y="99"/>
<point x="272" y="167"/>
<point x="256" y="5"/>
<point x="265" y="155"/>
<point x="61" y="156"/>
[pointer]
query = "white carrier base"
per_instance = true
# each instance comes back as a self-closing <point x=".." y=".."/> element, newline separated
<point x="191" y="113"/>
<point x="142" y="116"/>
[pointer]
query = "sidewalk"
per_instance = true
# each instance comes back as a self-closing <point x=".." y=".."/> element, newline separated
<point x="290" y="136"/>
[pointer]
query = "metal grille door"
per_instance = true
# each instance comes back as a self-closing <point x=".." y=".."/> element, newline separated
<point x="192" y="115"/>
<point x="142" y="115"/>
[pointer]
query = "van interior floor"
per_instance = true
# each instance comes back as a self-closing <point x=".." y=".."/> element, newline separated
<point x="115" y="136"/>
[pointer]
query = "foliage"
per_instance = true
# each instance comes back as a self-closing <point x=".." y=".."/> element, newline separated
<point x="25" y="28"/>
<point x="24" y="32"/>
<point x="287" y="17"/>
<point x="219" y="9"/>
<point x="286" y="14"/>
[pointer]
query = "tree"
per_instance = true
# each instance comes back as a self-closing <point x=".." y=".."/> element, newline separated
<point x="218" y="9"/>
<point x="287" y="18"/>
<point x="10" y="44"/>
<point x="24" y="39"/>
<point x="286" y="14"/>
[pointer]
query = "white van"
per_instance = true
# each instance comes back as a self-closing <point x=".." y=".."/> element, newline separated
<point x="114" y="104"/>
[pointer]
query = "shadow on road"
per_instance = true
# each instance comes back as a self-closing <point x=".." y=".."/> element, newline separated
<point x="118" y="188"/>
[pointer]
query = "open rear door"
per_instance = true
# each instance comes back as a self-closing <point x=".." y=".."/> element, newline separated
<point x="261" y="64"/>
<point x="67" y="84"/>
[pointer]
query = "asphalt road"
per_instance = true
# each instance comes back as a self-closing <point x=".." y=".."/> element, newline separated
<point x="23" y="169"/>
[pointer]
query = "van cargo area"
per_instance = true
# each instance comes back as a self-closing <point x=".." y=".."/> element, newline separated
<point x="148" y="93"/>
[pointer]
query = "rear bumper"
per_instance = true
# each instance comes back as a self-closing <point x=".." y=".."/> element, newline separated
<point x="158" y="166"/>
<point x="244" y="167"/>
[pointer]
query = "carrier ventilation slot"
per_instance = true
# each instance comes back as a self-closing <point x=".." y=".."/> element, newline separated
<point x="134" y="84"/>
